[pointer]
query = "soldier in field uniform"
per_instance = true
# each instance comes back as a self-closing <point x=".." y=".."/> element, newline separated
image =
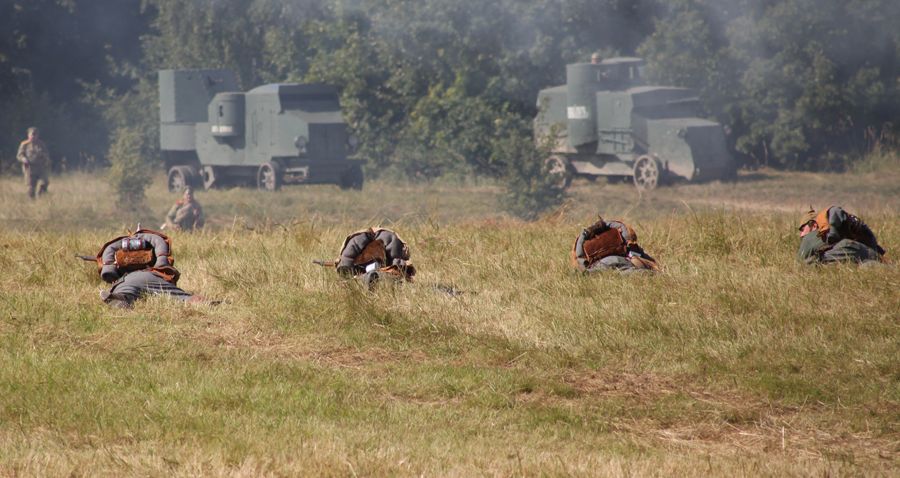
<point x="834" y="235"/>
<point x="611" y="245"/>
<point x="138" y="265"/>
<point x="186" y="214"/>
<point x="373" y="255"/>
<point x="35" y="159"/>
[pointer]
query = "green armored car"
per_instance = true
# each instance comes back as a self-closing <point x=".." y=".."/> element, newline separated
<point x="606" y="122"/>
<point x="212" y="134"/>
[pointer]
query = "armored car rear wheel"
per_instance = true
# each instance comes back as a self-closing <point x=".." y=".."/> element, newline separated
<point x="268" y="178"/>
<point x="180" y="178"/>
<point x="646" y="173"/>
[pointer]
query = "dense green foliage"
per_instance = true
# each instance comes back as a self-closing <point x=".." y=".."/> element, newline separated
<point x="800" y="83"/>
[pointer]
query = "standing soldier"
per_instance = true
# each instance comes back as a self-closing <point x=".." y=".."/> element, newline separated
<point x="186" y="214"/>
<point x="35" y="161"/>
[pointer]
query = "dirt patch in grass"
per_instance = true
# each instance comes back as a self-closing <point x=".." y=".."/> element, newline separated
<point x="727" y="421"/>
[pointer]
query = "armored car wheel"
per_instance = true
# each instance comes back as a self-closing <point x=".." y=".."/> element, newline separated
<point x="268" y="178"/>
<point x="646" y="173"/>
<point x="560" y="167"/>
<point x="180" y="178"/>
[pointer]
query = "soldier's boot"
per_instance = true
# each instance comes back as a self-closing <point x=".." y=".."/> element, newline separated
<point x="43" y="188"/>
<point x="369" y="279"/>
<point x="117" y="301"/>
<point x="372" y="279"/>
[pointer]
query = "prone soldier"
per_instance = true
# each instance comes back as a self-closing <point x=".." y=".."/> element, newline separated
<point x="834" y="235"/>
<point x="611" y="245"/>
<point x="373" y="255"/>
<point x="137" y="265"/>
<point x="35" y="159"/>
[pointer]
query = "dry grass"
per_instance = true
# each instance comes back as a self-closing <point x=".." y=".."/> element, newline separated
<point x="735" y="361"/>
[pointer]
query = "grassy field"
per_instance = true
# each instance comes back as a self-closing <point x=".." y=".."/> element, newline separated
<point x="735" y="361"/>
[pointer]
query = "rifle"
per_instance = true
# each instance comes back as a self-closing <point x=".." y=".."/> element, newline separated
<point x="86" y="257"/>
<point x="324" y="263"/>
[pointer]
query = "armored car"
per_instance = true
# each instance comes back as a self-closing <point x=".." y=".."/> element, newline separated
<point x="605" y="121"/>
<point x="212" y="134"/>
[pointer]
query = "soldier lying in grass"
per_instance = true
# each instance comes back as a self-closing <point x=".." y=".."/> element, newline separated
<point x="833" y="235"/>
<point x="611" y="245"/>
<point x="139" y="264"/>
<point x="374" y="255"/>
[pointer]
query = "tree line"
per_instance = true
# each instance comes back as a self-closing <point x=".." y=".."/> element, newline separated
<point x="448" y="87"/>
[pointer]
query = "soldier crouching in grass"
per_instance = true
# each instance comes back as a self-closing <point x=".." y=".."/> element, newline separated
<point x="35" y="159"/>
<point x="833" y="235"/>
<point x="137" y="265"/>
<point x="186" y="214"/>
<point x="611" y="245"/>
<point x="374" y="255"/>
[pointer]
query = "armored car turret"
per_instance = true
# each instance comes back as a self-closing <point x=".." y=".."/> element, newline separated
<point x="605" y="121"/>
<point x="212" y="134"/>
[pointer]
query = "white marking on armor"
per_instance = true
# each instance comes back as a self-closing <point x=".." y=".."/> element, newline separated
<point x="578" y="112"/>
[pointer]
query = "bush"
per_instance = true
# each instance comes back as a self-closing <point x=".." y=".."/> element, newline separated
<point x="129" y="174"/>
<point x="530" y="188"/>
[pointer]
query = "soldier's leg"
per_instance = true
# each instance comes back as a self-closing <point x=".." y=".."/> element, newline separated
<point x="137" y="284"/>
<point x="44" y="179"/>
<point x="614" y="263"/>
<point x="30" y="180"/>
<point x="848" y="250"/>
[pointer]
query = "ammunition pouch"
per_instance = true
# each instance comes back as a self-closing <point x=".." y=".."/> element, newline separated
<point x="167" y="273"/>
<point x="129" y="261"/>
<point x="606" y="242"/>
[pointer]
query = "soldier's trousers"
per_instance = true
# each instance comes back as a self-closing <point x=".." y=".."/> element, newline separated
<point x="138" y="284"/>
<point x="616" y="263"/>
<point x="848" y="250"/>
<point x="34" y="176"/>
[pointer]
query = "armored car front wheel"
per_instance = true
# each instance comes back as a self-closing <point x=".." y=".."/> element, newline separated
<point x="180" y="178"/>
<point x="646" y="173"/>
<point x="268" y="178"/>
